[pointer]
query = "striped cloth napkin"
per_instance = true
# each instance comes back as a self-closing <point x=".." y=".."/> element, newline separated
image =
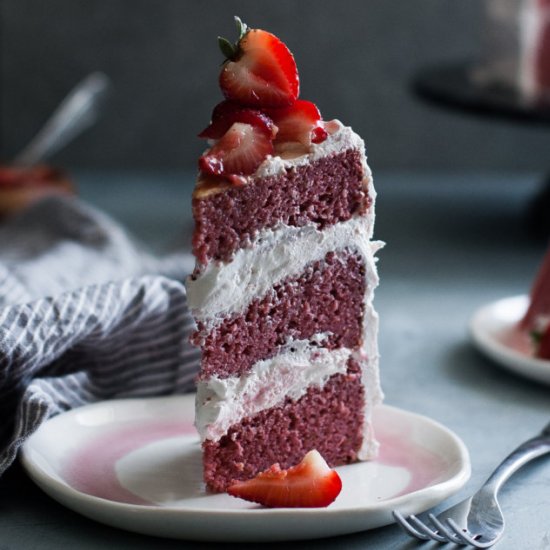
<point x="85" y="315"/>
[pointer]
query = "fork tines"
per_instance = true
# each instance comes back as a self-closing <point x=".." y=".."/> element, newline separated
<point x="450" y="533"/>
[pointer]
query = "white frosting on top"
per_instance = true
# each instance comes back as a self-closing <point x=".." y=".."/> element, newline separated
<point x="340" y="138"/>
<point x="226" y="288"/>
<point x="300" y="364"/>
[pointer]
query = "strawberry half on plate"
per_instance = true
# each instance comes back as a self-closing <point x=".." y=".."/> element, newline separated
<point x="310" y="484"/>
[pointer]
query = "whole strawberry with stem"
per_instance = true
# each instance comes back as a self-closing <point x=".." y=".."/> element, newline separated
<point x="259" y="71"/>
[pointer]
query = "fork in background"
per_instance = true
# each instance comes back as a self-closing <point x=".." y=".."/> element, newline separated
<point x="476" y="521"/>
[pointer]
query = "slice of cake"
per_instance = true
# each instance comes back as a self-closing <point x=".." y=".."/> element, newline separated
<point x="285" y="274"/>
<point x="517" y="47"/>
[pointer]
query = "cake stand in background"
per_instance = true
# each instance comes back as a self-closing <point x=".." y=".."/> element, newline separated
<point x="453" y="86"/>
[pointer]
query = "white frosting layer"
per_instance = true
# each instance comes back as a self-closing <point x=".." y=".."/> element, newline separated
<point x="300" y="365"/>
<point x="368" y="358"/>
<point x="223" y="289"/>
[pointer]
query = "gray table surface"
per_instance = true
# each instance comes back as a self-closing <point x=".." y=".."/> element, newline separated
<point x="454" y="243"/>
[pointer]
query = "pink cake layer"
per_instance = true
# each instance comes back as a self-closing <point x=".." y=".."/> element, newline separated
<point x="229" y="219"/>
<point x="326" y="298"/>
<point x="329" y="419"/>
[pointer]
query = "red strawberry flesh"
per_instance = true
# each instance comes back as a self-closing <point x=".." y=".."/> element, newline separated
<point x="238" y="152"/>
<point x="262" y="74"/>
<point x="310" y="484"/>
<point x="226" y="113"/>
<point x="299" y="122"/>
<point x="318" y="134"/>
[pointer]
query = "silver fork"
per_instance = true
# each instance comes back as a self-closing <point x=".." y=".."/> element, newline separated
<point x="477" y="521"/>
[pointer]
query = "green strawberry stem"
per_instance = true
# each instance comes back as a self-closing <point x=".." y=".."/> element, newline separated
<point x="230" y="50"/>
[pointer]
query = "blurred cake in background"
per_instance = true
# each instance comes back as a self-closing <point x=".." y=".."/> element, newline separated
<point x="516" y="51"/>
<point x="21" y="186"/>
<point x="27" y="178"/>
<point x="537" y="318"/>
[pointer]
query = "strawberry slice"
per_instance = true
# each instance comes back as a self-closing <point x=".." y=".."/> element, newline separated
<point x="310" y="484"/>
<point x="238" y="152"/>
<point x="226" y="113"/>
<point x="299" y="122"/>
<point x="543" y="351"/>
<point x="260" y="71"/>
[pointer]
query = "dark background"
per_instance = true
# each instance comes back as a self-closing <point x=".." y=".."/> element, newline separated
<point x="355" y="57"/>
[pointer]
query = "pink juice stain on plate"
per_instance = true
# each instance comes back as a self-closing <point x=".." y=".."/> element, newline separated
<point x="518" y="340"/>
<point x="91" y="469"/>
<point x="425" y="467"/>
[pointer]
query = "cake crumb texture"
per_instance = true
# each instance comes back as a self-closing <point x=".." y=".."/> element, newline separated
<point x="305" y="194"/>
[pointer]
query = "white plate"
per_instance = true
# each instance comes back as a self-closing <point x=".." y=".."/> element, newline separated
<point x="136" y="464"/>
<point x="494" y="330"/>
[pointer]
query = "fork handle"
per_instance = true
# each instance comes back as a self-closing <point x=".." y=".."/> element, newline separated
<point x="531" y="449"/>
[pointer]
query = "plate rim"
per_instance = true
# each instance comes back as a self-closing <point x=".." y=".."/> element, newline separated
<point x="64" y="493"/>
